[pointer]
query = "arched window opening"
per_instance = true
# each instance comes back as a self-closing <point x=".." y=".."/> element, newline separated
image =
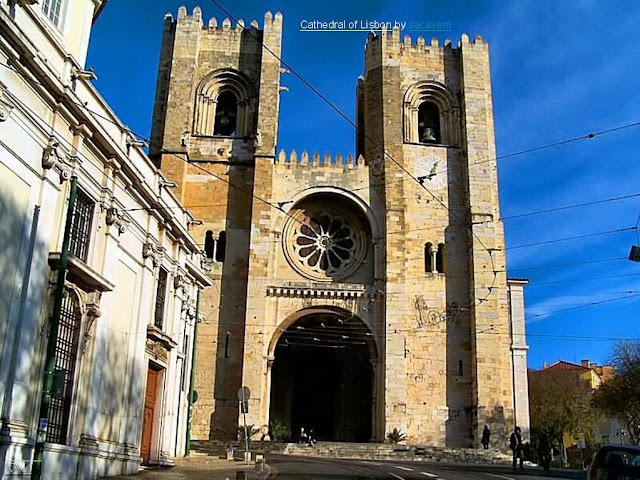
<point x="431" y="114"/>
<point x="428" y="123"/>
<point x="428" y="258"/>
<point x="440" y="258"/>
<point x="209" y="243"/>
<point x="222" y="247"/>
<point x="226" y="114"/>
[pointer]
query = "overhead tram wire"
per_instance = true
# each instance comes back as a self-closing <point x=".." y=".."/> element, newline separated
<point x="346" y="118"/>
<point x="415" y="329"/>
<point x="70" y="145"/>
<point x="521" y="152"/>
<point x="386" y="154"/>
<point x="530" y="285"/>
<point x="513" y="154"/>
<point x="576" y="237"/>
<point x="355" y="126"/>
<point x="585" y="305"/>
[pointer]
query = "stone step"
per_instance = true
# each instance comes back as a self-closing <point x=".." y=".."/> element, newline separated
<point x="370" y="451"/>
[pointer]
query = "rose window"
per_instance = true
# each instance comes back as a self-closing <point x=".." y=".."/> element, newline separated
<point x="324" y="243"/>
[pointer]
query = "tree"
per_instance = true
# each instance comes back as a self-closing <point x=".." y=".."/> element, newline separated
<point x="620" y="396"/>
<point x="560" y="403"/>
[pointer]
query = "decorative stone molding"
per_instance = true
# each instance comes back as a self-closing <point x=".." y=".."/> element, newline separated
<point x="189" y="308"/>
<point x="205" y="263"/>
<point x="106" y="198"/>
<point x="53" y="157"/>
<point x="117" y="218"/>
<point x="24" y="3"/>
<point x="315" y="293"/>
<point x="132" y="141"/>
<point x="150" y="250"/>
<point x="5" y="106"/>
<point x="156" y="350"/>
<point x="92" y="312"/>
<point x="131" y="450"/>
<point x="88" y="442"/>
<point x="179" y="281"/>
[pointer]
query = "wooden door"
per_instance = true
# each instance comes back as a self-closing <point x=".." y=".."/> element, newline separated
<point x="153" y="377"/>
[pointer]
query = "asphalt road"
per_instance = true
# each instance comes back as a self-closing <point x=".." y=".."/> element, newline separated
<point x="288" y="468"/>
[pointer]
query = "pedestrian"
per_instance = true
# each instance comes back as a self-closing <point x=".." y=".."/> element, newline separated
<point x="486" y="434"/>
<point x="304" y="438"/>
<point x="312" y="438"/>
<point x="516" y="446"/>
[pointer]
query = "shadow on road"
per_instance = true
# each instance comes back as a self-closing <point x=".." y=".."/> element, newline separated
<point x="508" y="471"/>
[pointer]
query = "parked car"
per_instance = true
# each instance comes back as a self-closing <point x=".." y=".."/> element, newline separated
<point x="615" y="462"/>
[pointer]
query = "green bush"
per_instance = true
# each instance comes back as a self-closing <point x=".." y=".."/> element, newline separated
<point x="396" y="436"/>
<point x="279" y="431"/>
<point x="251" y="431"/>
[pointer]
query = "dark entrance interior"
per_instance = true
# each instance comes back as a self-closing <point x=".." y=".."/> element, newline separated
<point x="322" y="378"/>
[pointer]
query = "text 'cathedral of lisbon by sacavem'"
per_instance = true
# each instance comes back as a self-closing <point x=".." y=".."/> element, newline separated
<point x="352" y="294"/>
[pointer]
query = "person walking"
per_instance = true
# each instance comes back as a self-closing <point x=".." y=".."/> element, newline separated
<point x="516" y="446"/>
<point x="486" y="435"/>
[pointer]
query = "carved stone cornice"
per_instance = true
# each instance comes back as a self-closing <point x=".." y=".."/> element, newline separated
<point x="118" y="218"/>
<point x="157" y="351"/>
<point x="5" y="105"/>
<point x="92" y="313"/>
<point x="53" y="157"/>
<point x="151" y="250"/>
<point x="189" y="307"/>
<point x="179" y="281"/>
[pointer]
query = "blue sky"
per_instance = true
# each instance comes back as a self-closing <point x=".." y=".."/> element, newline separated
<point x="560" y="70"/>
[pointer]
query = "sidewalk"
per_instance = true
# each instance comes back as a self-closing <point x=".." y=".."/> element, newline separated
<point x="199" y="468"/>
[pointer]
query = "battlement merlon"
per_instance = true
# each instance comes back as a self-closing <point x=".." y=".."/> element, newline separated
<point x="394" y="42"/>
<point x="317" y="160"/>
<point x="271" y="22"/>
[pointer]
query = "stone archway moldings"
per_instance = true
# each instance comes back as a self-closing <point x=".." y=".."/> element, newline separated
<point x="330" y="306"/>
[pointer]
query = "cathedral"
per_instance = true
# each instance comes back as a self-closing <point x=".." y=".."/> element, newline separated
<point x="353" y="294"/>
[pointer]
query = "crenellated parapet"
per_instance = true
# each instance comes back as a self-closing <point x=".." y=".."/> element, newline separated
<point x="226" y="26"/>
<point x="396" y="42"/>
<point x="318" y="160"/>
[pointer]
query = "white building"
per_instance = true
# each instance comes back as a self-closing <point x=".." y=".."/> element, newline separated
<point x="127" y="311"/>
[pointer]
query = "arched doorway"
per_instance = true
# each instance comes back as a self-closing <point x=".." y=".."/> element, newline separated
<point x="322" y="377"/>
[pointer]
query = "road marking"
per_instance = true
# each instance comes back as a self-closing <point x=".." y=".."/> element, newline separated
<point x="427" y="474"/>
<point x="500" y="476"/>
<point x="406" y="469"/>
<point x="394" y="475"/>
<point x="371" y="463"/>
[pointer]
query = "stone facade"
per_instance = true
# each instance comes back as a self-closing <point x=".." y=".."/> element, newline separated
<point x="57" y="131"/>
<point x="428" y="287"/>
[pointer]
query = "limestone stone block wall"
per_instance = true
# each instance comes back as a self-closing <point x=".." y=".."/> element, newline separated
<point x="454" y="373"/>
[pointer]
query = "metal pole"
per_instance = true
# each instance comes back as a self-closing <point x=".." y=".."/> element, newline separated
<point x="246" y="433"/>
<point x="50" y="358"/>
<point x="187" y="448"/>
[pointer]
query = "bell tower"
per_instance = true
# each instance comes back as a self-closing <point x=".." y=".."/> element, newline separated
<point x="215" y="124"/>
<point x="426" y="110"/>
